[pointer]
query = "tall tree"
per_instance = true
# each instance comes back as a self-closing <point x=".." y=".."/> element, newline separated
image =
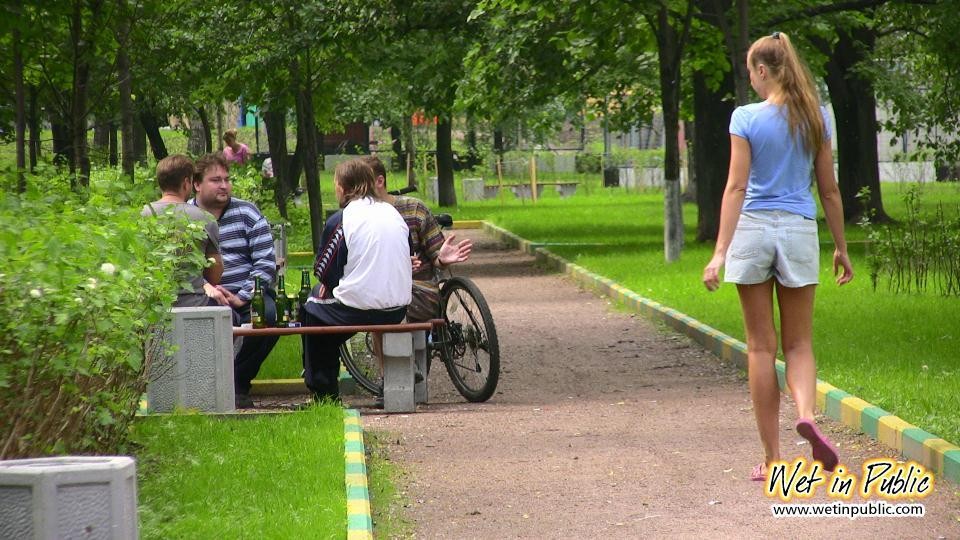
<point x="672" y="30"/>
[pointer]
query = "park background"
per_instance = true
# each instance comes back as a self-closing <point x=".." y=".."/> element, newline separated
<point x="95" y="92"/>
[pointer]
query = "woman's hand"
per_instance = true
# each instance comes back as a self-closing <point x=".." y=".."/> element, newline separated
<point x="711" y="274"/>
<point x="841" y="261"/>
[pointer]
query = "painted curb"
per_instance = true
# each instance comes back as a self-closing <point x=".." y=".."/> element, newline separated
<point x="359" y="519"/>
<point x="269" y="387"/>
<point x="914" y="443"/>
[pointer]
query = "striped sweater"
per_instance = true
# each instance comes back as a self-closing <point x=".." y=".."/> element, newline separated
<point x="246" y="246"/>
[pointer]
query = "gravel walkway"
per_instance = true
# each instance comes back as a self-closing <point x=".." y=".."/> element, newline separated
<point x="605" y="426"/>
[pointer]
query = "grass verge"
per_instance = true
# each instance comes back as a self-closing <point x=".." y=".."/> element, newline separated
<point x="278" y="476"/>
<point x="896" y="351"/>
<point x="386" y="501"/>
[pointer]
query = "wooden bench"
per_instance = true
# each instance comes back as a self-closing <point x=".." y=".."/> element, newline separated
<point x="404" y="353"/>
<point x="523" y="191"/>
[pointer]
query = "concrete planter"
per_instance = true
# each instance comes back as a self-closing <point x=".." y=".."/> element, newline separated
<point x="473" y="189"/>
<point x="68" y="497"/>
<point x="199" y="374"/>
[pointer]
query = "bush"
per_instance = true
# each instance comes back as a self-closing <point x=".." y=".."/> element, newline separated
<point x="919" y="253"/>
<point x="588" y="163"/>
<point x="84" y="280"/>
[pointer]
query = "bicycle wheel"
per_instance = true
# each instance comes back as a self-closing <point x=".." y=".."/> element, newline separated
<point x="468" y="343"/>
<point x="357" y="355"/>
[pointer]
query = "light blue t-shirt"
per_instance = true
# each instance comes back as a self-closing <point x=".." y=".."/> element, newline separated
<point x="780" y="169"/>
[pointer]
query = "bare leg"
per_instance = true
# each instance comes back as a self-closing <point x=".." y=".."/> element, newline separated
<point x="757" y="304"/>
<point x="796" y="331"/>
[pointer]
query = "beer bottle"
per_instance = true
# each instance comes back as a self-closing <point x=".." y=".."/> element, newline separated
<point x="256" y="305"/>
<point x="304" y="293"/>
<point x="283" y="305"/>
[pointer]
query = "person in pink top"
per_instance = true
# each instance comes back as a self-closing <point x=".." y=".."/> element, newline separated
<point x="235" y="152"/>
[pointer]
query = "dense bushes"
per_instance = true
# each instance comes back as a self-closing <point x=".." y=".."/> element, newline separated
<point x="83" y="281"/>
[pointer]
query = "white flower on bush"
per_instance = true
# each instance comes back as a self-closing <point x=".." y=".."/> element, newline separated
<point x="108" y="268"/>
<point x="36" y="293"/>
<point x="78" y="300"/>
<point x="92" y="283"/>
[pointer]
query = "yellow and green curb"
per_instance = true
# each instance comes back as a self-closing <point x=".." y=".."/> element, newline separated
<point x="359" y="519"/>
<point x="914" y="443"/>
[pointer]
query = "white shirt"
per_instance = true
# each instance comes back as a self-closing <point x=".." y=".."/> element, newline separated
<point x="378" y="274"/>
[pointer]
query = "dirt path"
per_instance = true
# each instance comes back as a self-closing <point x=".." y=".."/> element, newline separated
<point x="605" y="426"/>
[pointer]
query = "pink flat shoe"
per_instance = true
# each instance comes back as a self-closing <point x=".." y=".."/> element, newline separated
<point x="757" y="475"/>
<point x="823" y="450"/>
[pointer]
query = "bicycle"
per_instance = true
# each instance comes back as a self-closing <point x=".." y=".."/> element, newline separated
<point x="466" y="344"/>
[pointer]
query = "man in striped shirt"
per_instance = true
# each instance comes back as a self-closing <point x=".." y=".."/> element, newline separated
<point x="247" y="249"/>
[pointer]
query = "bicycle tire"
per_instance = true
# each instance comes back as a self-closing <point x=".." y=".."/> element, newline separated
<point x="357" y="356"/>
<point x="468" y="345"/>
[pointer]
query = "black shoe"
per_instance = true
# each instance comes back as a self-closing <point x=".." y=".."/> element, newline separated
<point x="417" y="376"/>
<point x="243" y="401"/>
<point x="377" y="402"/>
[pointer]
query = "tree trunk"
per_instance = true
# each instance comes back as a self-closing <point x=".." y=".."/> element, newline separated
<point x="196" y="144"/>
<point x="307" y="147"/>
<point x="855" y="108"/>
<point x="396" y="145"/>
<point x="447" y="195"/>
<point x="410" y="145"/>
<point x="669" y="51"/>
<point x="711" y="144"/>
<point x="139" y="144"/>
<point x="33" y="121"/>
<point x="20" y="112"/>
<point x="101" y="137"/>
<point x="498" y="141"/>
<point x="112" y="144"/>
<point x="741" y="76"/>
<point x="82" y="41"/>
<point x="276" y="126"/>
<point x="152" y="128"/>
<point x="128" y="136"/>
<point x="62" y="149"/>
<point x="471" y="142"/>
<point x="207" y="131"/>
<point x="690" y="190"/>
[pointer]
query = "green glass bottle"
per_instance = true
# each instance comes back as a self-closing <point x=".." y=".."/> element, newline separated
<point x="304" y="293"/>
<point x="283" y="305"/>
<point x="257" y="318"/>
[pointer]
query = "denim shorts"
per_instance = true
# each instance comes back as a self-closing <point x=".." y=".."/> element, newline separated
<point x="774" y="243"/>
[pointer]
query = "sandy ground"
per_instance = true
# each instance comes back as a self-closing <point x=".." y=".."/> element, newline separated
<point x="605" y="426"/>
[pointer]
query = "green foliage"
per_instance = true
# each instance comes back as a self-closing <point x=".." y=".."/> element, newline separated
<point x="920" y="252"/>
<point x="84" y="281"/>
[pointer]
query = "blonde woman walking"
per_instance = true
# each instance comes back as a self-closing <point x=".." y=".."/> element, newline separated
<point x="768" y="236"/>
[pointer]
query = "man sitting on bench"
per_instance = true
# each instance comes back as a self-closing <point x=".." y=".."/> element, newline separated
<point x="364" y="270"/>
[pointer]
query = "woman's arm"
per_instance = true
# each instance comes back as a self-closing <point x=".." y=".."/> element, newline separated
<point x="833" y="209"/>
<point x="730" y="207"/>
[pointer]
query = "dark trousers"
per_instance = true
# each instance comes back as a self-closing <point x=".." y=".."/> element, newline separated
<point x="321" y="352"/>
<point x="254" y="350"/>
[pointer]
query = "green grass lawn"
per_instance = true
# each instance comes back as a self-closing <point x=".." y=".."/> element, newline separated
<point x="896" y="351"/>
<point x="278" y="476"/>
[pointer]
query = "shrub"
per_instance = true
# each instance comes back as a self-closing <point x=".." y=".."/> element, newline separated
<point x="587" y="163"/>
<point x="921" y="252"/>
<point x="84" y="280"/>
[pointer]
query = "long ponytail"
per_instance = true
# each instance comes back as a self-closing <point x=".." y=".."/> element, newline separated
<point x="800" y="95"/>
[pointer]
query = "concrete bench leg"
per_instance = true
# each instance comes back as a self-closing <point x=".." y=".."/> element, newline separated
<point x="420" y="360"/>
<point x="398" y="377"/>
<point x="199" y="375"/>
<point x="566" y="190"/>
<point x="69" y="497"/>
